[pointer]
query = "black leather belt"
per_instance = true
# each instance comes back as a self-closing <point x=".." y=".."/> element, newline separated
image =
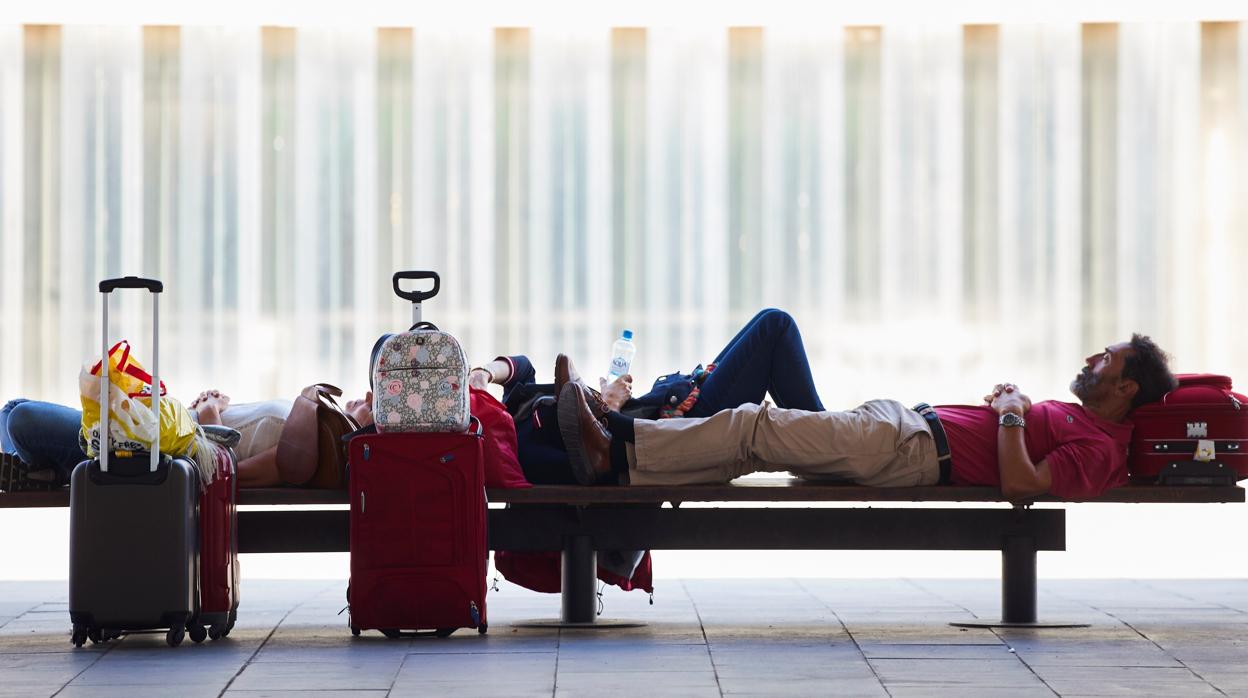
<point x="942" y="444"/>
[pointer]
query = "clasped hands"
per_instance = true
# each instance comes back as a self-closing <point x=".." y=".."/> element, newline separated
<point x="214" y="398"/>
<point x="1006" y="397"/>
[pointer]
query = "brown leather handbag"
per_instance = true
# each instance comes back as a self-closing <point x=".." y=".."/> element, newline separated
<point x="311" y="452"/>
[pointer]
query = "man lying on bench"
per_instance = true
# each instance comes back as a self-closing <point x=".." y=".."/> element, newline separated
<point x="1074" y="451"/>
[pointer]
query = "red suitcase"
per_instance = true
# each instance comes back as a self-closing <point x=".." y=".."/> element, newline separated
<point x="218" y="550"/>
<point x="1197" y="434"/>
<point x="418" y="546"/>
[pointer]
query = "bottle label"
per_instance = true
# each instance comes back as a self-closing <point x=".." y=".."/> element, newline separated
<point x="619" y="365"/>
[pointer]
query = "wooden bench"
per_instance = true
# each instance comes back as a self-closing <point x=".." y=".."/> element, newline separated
<point x="582" y="520"/>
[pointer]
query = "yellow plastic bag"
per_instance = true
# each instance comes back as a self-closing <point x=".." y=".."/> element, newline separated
<point x="132" y="427"/>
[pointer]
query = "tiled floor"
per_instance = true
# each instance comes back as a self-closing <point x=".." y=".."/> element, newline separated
<point x="702" y="638"/>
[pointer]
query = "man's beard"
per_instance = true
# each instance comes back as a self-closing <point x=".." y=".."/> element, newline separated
<point x="1084" y="385"/>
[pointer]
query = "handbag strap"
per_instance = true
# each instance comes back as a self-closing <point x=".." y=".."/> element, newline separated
<point x="323" y="394"/>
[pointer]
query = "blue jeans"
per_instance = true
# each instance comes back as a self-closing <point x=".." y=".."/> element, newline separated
<point x="42" y="434"/>
<point x="766" y="356"/>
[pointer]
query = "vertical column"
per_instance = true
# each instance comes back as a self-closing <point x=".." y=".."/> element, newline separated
<point x="242" y="72"/>
<point x="745" y="170"/>
<point x="981" y="224"/>
<point x="395" y="127"/>
<point x="629" y="101"/>
<point x="684" y="200"/>
<point x="921" y="161"/>
<point x="595" y="297"/>
<point x="41" y="136"/>
<point x="356" y="239"/>
<point x="1038" y="245"/>
<point x="1222" y="221"/>
<point x="1158" y="148"/>
<point x="513" y="265"/>
<point x="862" y="172"/>
<point x="1065" y="182"/>
<point x="1100" y="182"/>
<point x="549" y="86"/>
<point x="277" y="182"/>
<point x="12" y="177"/>
<point x="173" y="228"/>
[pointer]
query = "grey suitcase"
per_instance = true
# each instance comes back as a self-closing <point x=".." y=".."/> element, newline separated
<point x="133" y="529"/>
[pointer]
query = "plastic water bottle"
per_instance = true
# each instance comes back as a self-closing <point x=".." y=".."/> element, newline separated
<point x="622" y="353"/>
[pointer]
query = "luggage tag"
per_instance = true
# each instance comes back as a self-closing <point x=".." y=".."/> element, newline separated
<point x="1206" y="451"/>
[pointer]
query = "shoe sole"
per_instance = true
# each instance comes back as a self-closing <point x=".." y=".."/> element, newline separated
<point x="13" y="477"/>
<point x="570" y="429"/>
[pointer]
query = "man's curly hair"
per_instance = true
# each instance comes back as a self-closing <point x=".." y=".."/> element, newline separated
<point x="1149" y="367"/>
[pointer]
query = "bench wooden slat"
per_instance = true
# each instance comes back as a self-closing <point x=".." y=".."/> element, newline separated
<point x="743" y="490"/>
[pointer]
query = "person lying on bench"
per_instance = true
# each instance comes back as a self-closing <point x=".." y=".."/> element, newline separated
<point x="40" y="439"/>
<point x="1073" y="451"/>
<point x="765" y="357"/>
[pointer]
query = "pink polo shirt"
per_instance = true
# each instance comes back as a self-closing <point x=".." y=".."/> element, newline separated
<point x="1087" y="455"/>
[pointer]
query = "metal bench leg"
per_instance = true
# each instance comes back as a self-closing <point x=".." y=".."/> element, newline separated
<point x="580" y="565"/>
<point x="1018" y="581"/>
<point x="579" y="590"/>
<point x="1018" y="589"/>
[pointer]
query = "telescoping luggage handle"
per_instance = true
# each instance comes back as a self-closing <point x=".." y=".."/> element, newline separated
<point x="107" y="286"/>
<point x="416" y="297"/>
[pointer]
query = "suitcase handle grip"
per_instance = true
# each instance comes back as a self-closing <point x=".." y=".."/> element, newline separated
<point x="416" y="296"/>
<point x="110" y="285"/>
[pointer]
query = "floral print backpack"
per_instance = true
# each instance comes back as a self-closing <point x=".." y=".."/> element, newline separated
<point x="419" y="377"/>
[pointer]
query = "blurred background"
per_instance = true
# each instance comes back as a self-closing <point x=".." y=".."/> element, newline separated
<point x="943" y="201"/>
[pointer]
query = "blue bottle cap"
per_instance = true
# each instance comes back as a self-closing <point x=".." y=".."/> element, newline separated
<point x="628" y="334"/>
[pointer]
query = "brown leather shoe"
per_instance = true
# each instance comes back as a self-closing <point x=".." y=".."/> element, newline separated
<point x="566" y="373"/>
<point x="587" y="441"/>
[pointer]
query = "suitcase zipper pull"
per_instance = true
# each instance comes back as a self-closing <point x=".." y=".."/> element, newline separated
<point x="361" y="502"/>
<point x="476" y="614"/>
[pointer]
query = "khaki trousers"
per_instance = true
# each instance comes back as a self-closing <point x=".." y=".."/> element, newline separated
<point x="881" y="443"/>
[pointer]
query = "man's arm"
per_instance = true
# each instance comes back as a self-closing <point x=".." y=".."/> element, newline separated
<point x="1020" y="478"/>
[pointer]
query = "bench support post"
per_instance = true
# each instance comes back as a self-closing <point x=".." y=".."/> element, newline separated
<point x="580" y="564"/>
<point x="1018" y="580"/>
<point x="578" y="597"/>
<point x="1018" y="589"/>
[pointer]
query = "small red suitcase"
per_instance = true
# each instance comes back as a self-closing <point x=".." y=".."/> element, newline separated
<point x="1197" y="434"/>
<point x="218" y="551"/>
<point x="418" y="545"/>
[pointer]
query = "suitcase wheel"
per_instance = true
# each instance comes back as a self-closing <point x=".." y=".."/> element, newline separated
<point x="444" y="632"/>
<point x="355" y="631"/>
<point x="392" y="633"/>
<point x="78" y="636"/>
<point x="174" y="636"/>
<point x="198" y="633"/>
<point x="215" y="632"/>
<point x="96" y="636"/>
<point x="482" y="628"/>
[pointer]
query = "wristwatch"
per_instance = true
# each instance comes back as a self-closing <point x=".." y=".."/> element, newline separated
<point x="1010" y="419"/>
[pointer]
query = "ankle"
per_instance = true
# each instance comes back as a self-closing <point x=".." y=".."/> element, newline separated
<point x="621" y="426"/>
